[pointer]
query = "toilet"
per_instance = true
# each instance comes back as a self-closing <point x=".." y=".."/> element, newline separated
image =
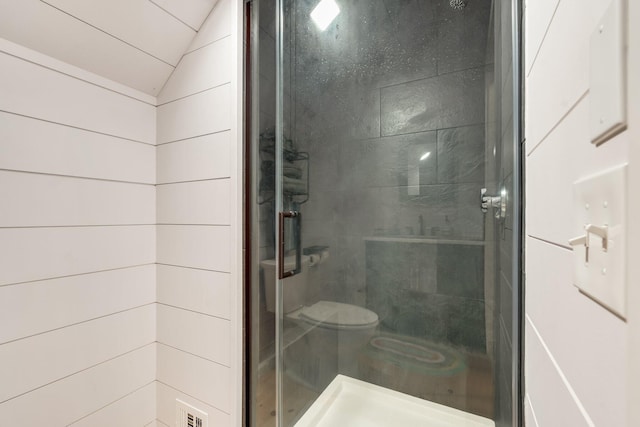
<point x="330" y="334"/>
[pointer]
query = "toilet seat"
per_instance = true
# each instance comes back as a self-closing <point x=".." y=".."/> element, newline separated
<point x="336" y="315"/>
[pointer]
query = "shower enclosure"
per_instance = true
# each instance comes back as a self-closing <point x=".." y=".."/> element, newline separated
<point x="383" y="205"/>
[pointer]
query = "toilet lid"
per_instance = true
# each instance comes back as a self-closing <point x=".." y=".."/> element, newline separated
<point x="339" y="315"/>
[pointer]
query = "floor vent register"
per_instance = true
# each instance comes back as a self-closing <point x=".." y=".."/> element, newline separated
<point x="188" y="416"/>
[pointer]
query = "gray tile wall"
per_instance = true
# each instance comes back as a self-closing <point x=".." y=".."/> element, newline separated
<point x="439" y="102"/>
<point x="430" y="291"/>
<point x="386" y="83"/>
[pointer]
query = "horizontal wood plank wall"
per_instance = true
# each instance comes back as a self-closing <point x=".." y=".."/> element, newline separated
<point x="196" y="147"/>
<point x="575" y="350"/>
<point x="77" y="248"/>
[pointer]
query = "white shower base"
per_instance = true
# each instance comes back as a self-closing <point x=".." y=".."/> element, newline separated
<point x="354" y="403"/>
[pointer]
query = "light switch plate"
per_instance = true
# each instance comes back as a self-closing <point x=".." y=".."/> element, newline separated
<point x="601" y="274"/>
<point x="607" y="81"/>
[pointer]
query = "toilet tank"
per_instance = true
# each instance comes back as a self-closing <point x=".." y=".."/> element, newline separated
<point x="294" y="288"/>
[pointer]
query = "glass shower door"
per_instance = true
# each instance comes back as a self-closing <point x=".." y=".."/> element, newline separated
<point x="383" y="267"/>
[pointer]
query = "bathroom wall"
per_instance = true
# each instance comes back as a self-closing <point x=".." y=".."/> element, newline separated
<point x="83" y="340"/>
<point x="77" y="246"/>
<point x="633" y="392"/>
<point x="431" y="291"/>
<point x="199" y="220"/>
<point x="383" y="85"/>
<point x="576" y="351"/>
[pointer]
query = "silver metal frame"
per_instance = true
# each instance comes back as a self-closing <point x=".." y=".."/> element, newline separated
<point x="279" y="203"/>
<point x="518" y="251"/>
<point x="254" y="279"/>
<point x="517" y="254"/>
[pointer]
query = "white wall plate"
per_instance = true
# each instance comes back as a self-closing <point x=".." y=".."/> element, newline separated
<point x="600" y="263"/>
<point x="607" y="81"/>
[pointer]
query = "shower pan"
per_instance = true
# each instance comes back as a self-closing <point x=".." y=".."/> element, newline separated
<point x="383" y="205"/>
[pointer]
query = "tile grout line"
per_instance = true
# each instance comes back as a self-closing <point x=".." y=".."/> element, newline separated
<point x="447" y="73"/>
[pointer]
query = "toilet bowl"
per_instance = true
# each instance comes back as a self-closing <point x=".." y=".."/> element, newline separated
<point x="334" y="332"/>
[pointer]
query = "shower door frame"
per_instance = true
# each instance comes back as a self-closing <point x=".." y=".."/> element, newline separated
<point x="251" y="83"/>
<point x="518" y="256"/>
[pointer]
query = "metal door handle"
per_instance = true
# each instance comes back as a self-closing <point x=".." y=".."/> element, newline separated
<point x="282" y="274"/>
<point x="499" y="203"/>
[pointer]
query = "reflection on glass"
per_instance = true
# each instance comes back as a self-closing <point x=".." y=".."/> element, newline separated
<point x="385" y="129"/>
<point x="418" y="169"/>
<point x="324" y="13"/>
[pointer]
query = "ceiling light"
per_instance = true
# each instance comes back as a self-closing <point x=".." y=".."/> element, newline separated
<point x="425" y="155"/>
<point x="324" y="13"/>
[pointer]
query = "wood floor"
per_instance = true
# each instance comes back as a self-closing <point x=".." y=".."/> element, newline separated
<point x="297" y="399"/>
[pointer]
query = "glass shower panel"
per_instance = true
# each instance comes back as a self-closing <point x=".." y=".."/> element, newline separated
<point x="390" y="118"/>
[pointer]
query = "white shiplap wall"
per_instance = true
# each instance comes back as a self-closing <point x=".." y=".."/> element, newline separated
<point x="633" y="75"/>
<point x="197" y="191"/>
<point x="575" y="350"/>
<point x="77" y="246"/>
<point x="94" y="332"/>
<point x="134" y="42"/>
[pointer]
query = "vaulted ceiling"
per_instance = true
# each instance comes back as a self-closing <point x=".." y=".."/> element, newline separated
<point x="137" y="43"/>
